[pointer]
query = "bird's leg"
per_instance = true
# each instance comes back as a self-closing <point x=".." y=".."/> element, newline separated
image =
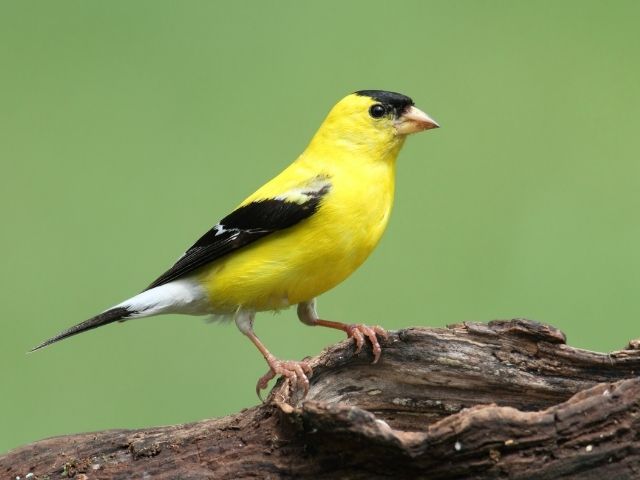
<point x="308" y="315"/>
<point x="297" y="373"/>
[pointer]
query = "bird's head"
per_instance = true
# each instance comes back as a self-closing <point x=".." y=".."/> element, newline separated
<point x="375" y="120"/>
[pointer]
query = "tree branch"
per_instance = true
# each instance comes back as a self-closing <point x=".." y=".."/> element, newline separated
<point x="507" y="399"/>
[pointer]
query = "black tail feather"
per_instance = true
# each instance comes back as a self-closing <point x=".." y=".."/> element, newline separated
<point x="104" y="318"/>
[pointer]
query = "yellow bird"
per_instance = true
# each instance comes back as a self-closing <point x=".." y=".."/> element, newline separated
<point x="299" y="235"/>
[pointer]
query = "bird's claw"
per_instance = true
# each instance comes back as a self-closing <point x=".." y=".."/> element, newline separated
<point x="296" y="373"/>
<point x="358" y="331"/>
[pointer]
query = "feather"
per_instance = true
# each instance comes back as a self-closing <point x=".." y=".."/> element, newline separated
<point x="246" y="224"/>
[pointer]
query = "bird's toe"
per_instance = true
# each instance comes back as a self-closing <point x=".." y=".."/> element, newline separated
<point x="359" y="331"/>
<point x="296" y="373"/>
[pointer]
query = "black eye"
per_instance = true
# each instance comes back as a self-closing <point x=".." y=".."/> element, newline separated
<point x="377" y="111"/>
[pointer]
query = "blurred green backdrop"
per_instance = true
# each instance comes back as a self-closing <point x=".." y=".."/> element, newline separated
<point x="127" y="129"/>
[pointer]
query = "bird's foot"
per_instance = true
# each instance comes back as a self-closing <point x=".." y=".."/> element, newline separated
<point x="358" y="331"/>
<point x="297" y="373"/>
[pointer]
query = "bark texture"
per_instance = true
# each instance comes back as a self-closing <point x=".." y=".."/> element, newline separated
<point x="503" y="400"/>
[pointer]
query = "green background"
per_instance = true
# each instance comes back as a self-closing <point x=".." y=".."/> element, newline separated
<point x="127" y="129"/>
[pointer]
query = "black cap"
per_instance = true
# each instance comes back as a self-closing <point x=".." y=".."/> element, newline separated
<point x="392" y="100"/>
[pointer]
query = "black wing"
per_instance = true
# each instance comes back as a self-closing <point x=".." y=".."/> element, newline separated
<point x="244" y="226"/>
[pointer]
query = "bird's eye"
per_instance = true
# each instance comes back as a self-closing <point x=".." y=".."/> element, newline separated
<point x="377" y="111"/>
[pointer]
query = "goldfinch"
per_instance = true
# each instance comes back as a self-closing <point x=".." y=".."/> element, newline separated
<point x="296" y="237"/>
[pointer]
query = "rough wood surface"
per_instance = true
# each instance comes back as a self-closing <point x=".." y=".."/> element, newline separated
<point x="507" y="399"/>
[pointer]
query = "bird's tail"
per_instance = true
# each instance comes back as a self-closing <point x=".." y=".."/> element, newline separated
<point x="185" y="296"/>
<point x="110" y="316"/>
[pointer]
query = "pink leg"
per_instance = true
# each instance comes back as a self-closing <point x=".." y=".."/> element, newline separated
<point x="357" y="331"/>
<point x="297" y="373"/>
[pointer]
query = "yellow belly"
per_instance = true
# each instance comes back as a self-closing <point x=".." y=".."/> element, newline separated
<point x="302" y="262"/>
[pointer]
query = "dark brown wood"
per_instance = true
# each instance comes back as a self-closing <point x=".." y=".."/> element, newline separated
<point x="507" y="399"/>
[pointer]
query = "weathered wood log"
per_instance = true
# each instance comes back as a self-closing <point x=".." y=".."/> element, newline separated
<point x="507" y="399"/>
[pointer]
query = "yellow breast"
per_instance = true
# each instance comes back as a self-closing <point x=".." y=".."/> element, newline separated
<point x="302" y="262"/>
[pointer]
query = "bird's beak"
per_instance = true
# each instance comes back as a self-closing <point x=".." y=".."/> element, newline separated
<point x="414" y="120"/>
